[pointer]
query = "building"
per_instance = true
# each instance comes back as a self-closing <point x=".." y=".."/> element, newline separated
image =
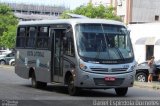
<point x="134" y="11"/>
<point x="138" y="11"/>
<point x="35" y="12"/>
<point x="146" y="40"/>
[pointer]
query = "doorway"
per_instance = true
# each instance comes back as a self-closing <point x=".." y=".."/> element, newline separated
<point x="57" y="51"/>
<point x="149" y="51"/>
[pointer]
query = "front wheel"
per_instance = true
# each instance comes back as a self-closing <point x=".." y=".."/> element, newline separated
<point x="121" y="91"/>
<point x="72" y="90"/>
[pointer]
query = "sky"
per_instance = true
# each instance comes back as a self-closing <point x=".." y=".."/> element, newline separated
<point x="72" y="4"/>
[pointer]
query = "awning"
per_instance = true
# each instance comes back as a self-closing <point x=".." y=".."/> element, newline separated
<point x="146" y="41"/>
<point x="157" y="42"/>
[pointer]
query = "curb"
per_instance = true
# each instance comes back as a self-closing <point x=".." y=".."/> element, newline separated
<point x="152" y="85"/>
<point x="6" y="66"/>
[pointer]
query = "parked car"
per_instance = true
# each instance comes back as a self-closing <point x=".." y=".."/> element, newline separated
<point x="12" y="62"/>
<point x="142" y="71"/>
<point x="6" y="57"/>
<point x="3" y="52"/>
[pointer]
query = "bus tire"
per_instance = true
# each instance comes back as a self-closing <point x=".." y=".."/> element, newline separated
<point x="121" y="91"/>
<point x="37" y="84"/>
<point x="72" y="90"/>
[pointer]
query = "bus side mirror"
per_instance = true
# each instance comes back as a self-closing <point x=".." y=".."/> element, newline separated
<point x="129" y="31"/>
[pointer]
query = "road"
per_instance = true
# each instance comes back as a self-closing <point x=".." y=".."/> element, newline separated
<point x="14" y="89"/>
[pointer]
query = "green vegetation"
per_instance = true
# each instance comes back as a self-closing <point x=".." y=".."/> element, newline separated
<point x="8" y="24"/>
<point x="94" y="12"/>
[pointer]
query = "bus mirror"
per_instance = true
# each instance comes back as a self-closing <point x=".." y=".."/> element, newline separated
<point x="129" y="31"/>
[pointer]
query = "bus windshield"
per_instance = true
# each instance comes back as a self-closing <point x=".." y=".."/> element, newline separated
<point x="103" y="42"/>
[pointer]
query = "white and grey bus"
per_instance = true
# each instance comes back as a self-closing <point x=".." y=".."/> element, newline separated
<point x="77" y="53"/>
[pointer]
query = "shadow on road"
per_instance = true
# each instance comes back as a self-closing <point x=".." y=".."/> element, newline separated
<point x="83" y="93"/>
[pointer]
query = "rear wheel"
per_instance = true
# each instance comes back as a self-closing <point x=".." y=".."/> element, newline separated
<point x="121" y="91"/>
<point x="72" y="90"/>
<point x="13" y="64"/>
<point x="141" y="76"/>
<point x="37" y="84"/>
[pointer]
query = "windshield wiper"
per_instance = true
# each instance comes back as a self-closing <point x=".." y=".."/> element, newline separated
<point x="119" y="52"/>
<point x="98" y="51"/>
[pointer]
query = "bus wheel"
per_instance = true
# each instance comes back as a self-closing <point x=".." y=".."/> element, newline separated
<point x="72" y="90"/>
<point x="121" y="91"/>
<point x="37" y="84"/>
<point x="33" y="81"/>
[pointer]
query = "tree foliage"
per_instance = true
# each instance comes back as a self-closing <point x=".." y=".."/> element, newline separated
<point x="8" y="24"/>
<point x="92" y="11"/>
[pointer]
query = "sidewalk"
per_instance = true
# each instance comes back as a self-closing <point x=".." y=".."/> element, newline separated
<point x="6" y="66"/>
<point x="153" y="85"/>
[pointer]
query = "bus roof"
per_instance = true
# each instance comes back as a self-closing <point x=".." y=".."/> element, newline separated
<point x="71" y="21"/>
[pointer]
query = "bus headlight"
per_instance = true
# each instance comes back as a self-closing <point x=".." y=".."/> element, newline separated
<point x="82" y="65"/>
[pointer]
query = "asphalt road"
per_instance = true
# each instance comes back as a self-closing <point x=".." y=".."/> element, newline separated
<point x="17" y="91"/>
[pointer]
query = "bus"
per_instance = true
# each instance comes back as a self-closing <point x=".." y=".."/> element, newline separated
<point x="76" y="53"/>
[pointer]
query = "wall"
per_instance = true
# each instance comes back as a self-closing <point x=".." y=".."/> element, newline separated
<point x="145" y="10"/>
<point x="150" y="30"/>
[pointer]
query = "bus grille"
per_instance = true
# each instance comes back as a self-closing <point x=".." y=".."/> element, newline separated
<point x="109" y="70"/>
<point x="119" y="69"/>
<point x="100" y="69"/>
<point x="102" y="82"/>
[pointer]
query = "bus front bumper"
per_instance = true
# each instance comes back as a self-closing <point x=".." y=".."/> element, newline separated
<point x="100" y="81"/>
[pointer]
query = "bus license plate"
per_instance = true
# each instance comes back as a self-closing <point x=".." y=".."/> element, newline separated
<point x="110" y="78"/>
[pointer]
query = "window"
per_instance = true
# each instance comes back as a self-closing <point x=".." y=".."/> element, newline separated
<point x="21" y="37"/>
<point x="68" y="43"/>
<point x="31" y="37"/>
<point x="43" y="38"/>
<point x="10" y="55"/>
<point x="156" y="18"/>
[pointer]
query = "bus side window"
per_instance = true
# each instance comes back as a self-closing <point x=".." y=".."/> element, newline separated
<point x="21" y="37"/>
<point x="68" y="43"/>
<point x="43" y="38"/>
<point x="31" y="37"/>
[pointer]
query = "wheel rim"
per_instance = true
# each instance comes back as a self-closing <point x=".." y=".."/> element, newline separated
<point x="2" y="63"/>
<point x="141" y="78"/>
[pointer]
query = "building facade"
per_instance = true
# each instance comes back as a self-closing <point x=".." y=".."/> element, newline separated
<point x="134" y="11"/>
<point x="35" y="12"/>
<point x="138" y="11"/>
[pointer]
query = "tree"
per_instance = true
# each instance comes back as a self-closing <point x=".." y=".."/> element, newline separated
<point x="94" y="12"/>
<point x="8" y="24"/>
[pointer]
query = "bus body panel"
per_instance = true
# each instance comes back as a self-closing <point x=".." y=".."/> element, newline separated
<point x="38" y="60"/>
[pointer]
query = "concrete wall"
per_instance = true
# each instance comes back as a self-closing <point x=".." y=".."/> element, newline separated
<point x="145" y="10"/>
<point x="150" y="30"/>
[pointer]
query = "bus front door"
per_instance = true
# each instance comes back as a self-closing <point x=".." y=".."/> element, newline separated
<point x="56" y="50"/>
